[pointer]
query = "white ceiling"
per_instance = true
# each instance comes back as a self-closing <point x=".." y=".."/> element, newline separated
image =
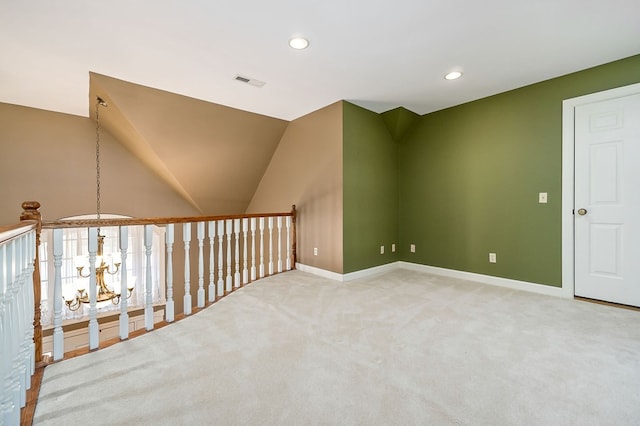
<point x="377" y="54"/>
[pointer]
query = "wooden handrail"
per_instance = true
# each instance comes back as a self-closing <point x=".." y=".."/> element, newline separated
<point x="12" y="231"/>
<point x="82" y="223"/>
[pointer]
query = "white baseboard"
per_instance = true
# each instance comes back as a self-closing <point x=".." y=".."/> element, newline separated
<point x="319" y="272"/>
<point x="350" y="276"/>
<point x="488" y="279"/>
<point x="364" y="273"/>
<point x="470" y="276"/>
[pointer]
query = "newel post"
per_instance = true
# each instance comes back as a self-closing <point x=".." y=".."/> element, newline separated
<point x="31" y="213"/>
<point x="294" y="253"/>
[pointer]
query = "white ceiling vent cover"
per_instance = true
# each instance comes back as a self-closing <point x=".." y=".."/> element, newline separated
<point x="248" y="80"/>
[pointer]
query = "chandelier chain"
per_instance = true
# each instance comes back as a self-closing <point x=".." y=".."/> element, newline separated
<point x="104" y="292"/>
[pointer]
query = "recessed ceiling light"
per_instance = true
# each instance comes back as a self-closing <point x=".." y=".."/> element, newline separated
<point x="299" y="43"/>
<point x="453" y="75"/>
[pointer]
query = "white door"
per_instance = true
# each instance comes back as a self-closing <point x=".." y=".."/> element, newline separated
<point x="607" y="200"/>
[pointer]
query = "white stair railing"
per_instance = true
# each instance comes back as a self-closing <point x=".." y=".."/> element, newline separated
<point x="279" y="223"/>
<point x="186" y="238"/>
<point x="212" y="268"/>
<point x="124" y="313"/>
<point x="94" y="330"/>
<point x="148" y="282"/>
<point x="200" y="227"/>
<point x="220" y="258"/>
<point x="58" y="336"/>
<point x="229" y="232"/>
<point x="170" y="305"/>
<point x="245" y="271"/>
<point x="261" y="229"/>
<point x="270" y="245"/>
<point x="253" y="249"/>
<point x="236" y="234"/>
<point x="239" y="257"/>
<point x="17" y="355"/>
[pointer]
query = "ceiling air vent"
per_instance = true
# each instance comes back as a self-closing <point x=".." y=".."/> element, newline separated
<point x="251" y="81"/>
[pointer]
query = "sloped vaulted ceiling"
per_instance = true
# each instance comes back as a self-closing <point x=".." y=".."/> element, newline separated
<point x="214" y="156"/>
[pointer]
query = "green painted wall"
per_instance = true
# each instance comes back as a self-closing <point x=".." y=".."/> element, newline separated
<point x="398" y="121"/>
<point x="370" y="186"/>
<point x="469" y="178"/>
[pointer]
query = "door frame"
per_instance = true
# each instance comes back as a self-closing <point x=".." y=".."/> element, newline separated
<point x="568" y="176"/>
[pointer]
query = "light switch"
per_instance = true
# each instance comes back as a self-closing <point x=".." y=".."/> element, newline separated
<point x="542" y="198"/>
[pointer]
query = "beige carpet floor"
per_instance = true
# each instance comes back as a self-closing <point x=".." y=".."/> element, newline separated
<point x="402" y="348"/>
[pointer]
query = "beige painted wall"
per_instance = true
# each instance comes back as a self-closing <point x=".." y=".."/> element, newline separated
<point x="306" y="170"/>
<point x="50" y="157"/>
<point x="213" y="155"/>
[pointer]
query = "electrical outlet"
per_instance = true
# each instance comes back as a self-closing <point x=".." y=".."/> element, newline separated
<point x="412" y="248"/>
<point x="492" y="258"/>
<point x="315" y="251"/>
<point x="542" y="198"/>
<point x="381" y="249"/>
<point x="393" y="248"/>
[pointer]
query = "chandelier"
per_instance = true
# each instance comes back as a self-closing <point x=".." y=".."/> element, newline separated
<point x="104" y="264"/>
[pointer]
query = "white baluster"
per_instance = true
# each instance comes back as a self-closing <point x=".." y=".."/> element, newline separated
<point x="21" y="299"/>
<point x="253" y="249"/>
<point x="58" y="335"/>
<point x="15" y="384"/>
<point x="6" y="404"/>
<point x="186" y="238"/>
<point x="245" y="271"/>
<point x="11" y="384"/>
<point x="124" y="291"/>
<point x="16" y="324"/>
<point x="212" y="277"/>
<point x="220" y="258"/>
<point x="4" y="356"/>
<point x="261" y="247"/>
<point x="279" y="223"/>
<point x="288" y="243"/>
<point x="9" y="412"/>
<point x="31" y="257"/>
<point x="23" y="315"/>
<point x="94" y="330"/>
<point x="236" y="228"/>
<point x="148" y="288"/>
<point x="229" y="227"/>
<point x="270" y="245"/>
<point x="200" y="234"/>
<point x="170" y="306"/>
<point x="13" y="399"/>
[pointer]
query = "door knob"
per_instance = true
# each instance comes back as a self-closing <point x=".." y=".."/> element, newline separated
<point x="582" y="212"/>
